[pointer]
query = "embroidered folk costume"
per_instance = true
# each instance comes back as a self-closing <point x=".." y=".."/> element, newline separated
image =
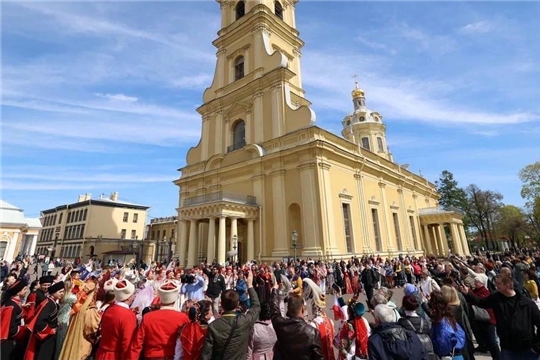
<point x="320" y="321"/>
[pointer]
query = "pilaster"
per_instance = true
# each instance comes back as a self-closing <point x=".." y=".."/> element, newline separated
<point x="280" y="214"/>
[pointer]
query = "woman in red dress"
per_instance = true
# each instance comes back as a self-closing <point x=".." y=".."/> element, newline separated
<point x="191" y="338"/>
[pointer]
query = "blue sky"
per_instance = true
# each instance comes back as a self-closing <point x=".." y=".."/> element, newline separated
<point x="101" y="97"/>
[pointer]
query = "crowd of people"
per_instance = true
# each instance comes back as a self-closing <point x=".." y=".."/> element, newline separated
<point x="277" y="311"/>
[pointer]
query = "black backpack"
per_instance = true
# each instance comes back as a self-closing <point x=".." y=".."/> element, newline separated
<point x="424" y="337"/>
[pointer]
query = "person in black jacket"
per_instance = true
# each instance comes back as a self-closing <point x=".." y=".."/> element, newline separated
<point x="13" y="332"/>
<point x="297" y="340"/>
<point x="216" y="286"/>
<point x="419" y="324"/>
<point x="516" y="316"/>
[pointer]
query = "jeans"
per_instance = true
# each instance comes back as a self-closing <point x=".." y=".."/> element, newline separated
<point x="518" y="355"/>
<point x="488" y="332"/>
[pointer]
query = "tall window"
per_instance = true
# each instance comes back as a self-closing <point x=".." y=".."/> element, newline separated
<point x="172" y="233"/>
<point x="380" y="144"/>
<point x="3" y="247"/>
<point x="133" y="234"/>
<point x="376" y="230"/>
<point x="240" y="9"/>
<point x="365" y="143"/>
<point x="123" y="234"/>
<point x="413" y="230"/>
<point x="60" y="218"/>
<point x="239" y="68"/>
<point x="347" y="226"/>
<point x="126" y="215"/>
<point x="278" y="9"/>
<point x="135" y="217"/>
<point x="153" y="235"/>
<point x="239" y="135"/>
<point x="398" y="233"/>
<point x="85" y="213"/>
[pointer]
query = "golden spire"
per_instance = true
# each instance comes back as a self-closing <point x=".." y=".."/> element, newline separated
<point x="357" y="92"/>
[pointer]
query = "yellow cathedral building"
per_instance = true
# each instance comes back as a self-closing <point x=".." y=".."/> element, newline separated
<point x="265" y="182"/>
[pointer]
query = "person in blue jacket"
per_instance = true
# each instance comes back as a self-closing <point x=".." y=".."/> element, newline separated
<point x="242" y="290"/>
<point x="447" y="336"/>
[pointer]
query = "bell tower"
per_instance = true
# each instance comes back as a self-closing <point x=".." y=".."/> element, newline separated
<point x="256" y="94"/>
<point x="364" y="127"/>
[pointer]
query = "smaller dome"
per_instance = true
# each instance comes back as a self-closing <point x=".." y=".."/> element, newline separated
<point x="357" y="92"/>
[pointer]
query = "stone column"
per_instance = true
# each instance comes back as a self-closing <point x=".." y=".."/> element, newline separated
<point x="277" y="111"/>
<point x="192" y="245"/>
<point x="444" y="240"/>
<point x="464" y="242"/>
<point x="33" y="246"/>
<point x="363" y="213"/>
<point x="258" y="133"/>
<point x="280" y="214"/>
<point x="456" y="239"/>
<point x="218" y="139"/>
<point x="221" y="241"/>
<point x="427" y="240"/>
<point x="250" y="241"/>
<point x="181" y="242"/>
<point x="387" y="233"/>
<point x="211" y="245"/>
<point x="310" y="231"/>
<point x="327" y="209"/>
<point x="434" y="237"/>
<point x="205" y="135"/>
<point x="405" y="229"/>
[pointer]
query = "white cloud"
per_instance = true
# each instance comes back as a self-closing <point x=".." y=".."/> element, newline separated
<point x="479" y="27"/>
<point x="487" y="133"/>
<point x="376" y="45"/>
<point x="118" y="97"/>
<point x="435" y="44"/>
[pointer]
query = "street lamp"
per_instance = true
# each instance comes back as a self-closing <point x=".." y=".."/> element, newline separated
<point x="235" y="246"/>
<point x="171" y="241"/>
<point x="53" y="252"/>
<point x="163" y="246"/>
<point x="294" y="238"/>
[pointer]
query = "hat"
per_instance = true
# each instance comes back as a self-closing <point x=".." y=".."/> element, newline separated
<point x="56" y="287"/>
<point x="359" y="309"/>
<point x="16" y="287"/>
<point x="410" y="289"/>
<point x="109" y="285"/>
<point x="47" y="279"/>
<point x="168" y="293"/>
<point x="123" y="290"/>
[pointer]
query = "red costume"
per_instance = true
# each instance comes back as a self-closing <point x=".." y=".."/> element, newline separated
<point x="192" y="340"/>
<point x="43" y="331"/>
<point x="31" y="309"/>
<point x="118" y="324"/>
<point x="158" y="333"/>
<point x="326" y="332"/>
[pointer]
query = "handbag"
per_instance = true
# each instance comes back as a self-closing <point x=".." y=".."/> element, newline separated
<point x="480" y="315"/>
<point x="449" y="357"/>
<point x="230" y="337"/>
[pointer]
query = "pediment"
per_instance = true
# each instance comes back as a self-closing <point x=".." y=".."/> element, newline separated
<point x="238" y="106"/>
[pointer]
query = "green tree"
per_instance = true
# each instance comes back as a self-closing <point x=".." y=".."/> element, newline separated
<point x="530" y="176"/>
<point x="481" y="209"/>
<point x="452" y="196"/>
<point x="511" y="222"/>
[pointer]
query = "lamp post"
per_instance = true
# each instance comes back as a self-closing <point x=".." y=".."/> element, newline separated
<point x="294" y="238"/>
<point x="162" y="247"/>
<point x="171" y="241"/>
<point x="235" y="246"/>
<point x="53" y="252"/>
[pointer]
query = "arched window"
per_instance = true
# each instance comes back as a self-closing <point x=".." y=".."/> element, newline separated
<point x="239" y="68"/>
<point x="240" y="9"/>
<point x="239" y="136"/>
<point x="278" y="9"/>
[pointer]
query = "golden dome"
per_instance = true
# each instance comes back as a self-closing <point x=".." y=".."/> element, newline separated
<point x="356" y="93"/>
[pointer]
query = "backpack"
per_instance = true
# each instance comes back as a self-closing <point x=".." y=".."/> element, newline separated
<point x="424" y="338"/>
<point x="417" y="269"/>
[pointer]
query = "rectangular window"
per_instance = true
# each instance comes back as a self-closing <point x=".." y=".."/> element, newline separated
<point x="85" y="213"/>
<point x="123" y="234"/>
<point x="398" y="233"/>
<point x="413" y="230"/>
<point x="347" y="226"/>
<point x="60" y="218"/>
<point x="126" y="215"/>
<point x="153" y="235"/>
<point x="365" y="143"/>
<point x="133" y="234"/>
<point x="380" y="144"/>
<point x="68" y="218"/>
<point x="135" y="217"/>
<point x="54" y="219"/>
<point x="376" y="230"/>
<point x="79" y="216"/>
<point x="82" y="230"/>
<point x="158" y="238"/>
<point x="172" y="233"/>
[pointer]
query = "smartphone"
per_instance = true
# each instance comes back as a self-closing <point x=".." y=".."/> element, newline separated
<point x="336" y="288"/>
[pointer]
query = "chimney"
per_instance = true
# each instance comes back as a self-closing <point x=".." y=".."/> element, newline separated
<point x="88" y="196"/>
<point x="114" y="196"/>
<point x="81" y="198"/>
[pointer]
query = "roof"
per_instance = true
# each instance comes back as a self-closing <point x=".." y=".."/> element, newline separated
<point x="433" y="211"/>
<point x="99" y="202"/>
<point x="10" y="214"/>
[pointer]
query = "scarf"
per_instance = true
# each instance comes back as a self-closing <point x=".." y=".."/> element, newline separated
<point x="361" y="337"/>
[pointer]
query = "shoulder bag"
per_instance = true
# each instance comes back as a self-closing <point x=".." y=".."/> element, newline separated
<point x="235" y="322"/>
<point x="480" y="314"/>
